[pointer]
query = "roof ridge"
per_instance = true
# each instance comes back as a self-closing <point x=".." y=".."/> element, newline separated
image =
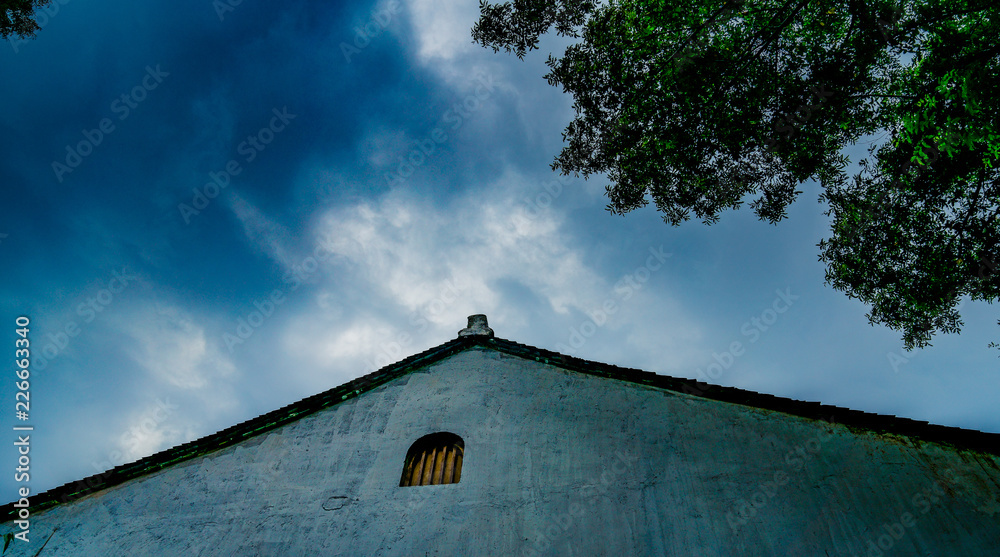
<point x="957" y="437"/>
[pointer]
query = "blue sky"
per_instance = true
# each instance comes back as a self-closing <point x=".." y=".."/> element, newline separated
<point x="210" y="212"/>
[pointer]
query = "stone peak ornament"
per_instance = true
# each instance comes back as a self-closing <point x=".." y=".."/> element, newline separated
<point x="478" y="327"/>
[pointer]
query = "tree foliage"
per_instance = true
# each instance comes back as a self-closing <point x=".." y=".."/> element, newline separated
<point x="16" y="17"/>
<point x="696" y="105"/>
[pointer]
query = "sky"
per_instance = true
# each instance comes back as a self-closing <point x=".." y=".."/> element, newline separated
<point x="214" y="209"/>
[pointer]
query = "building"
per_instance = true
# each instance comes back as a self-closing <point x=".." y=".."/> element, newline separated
<point x="538" y="453"/>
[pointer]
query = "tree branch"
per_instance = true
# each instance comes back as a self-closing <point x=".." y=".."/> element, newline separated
<point x="919" y="23"/>
<point x="720" y="11"/>
<point x="885" y="96"/>
<point x="781" y="27"/>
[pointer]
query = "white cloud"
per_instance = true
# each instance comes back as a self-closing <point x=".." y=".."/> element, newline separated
<point x="443" y="28"/>
<point x="409" y="273"/>
<point x="406" y="250"/>
<point x="264" y="234"/>
<point x="174" y="350"/>
<point x="186" y="380"/>
<point x="149" y="430"/>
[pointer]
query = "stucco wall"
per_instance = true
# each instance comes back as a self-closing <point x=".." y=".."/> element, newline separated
<point x="556" y="463"/>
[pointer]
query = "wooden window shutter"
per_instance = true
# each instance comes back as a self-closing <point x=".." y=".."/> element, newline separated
<point x="433" y="460"/>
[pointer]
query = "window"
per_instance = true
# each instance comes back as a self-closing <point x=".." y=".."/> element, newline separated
<point x="433" y="459"/>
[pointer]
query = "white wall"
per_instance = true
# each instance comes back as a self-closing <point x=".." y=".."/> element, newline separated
<point x="556" y="463"/>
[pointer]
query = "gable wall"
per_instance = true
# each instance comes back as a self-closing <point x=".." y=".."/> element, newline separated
<point x="556" y="463"/>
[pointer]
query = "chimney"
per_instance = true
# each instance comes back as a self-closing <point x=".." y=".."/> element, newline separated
<point x="478" y="327"/>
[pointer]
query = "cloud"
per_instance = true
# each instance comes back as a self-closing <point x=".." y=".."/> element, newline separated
<point x="174" y="350"/>
<point x="153" y="428"/>
<point x="405" y="249"/>
<point x="405" y="273"/>
<point x="183" y="382"/>
<point x="404" y="267"/>
<point x="443" y="29"/>
<point x="264" y="234"/>
<point x="443" y="34"/>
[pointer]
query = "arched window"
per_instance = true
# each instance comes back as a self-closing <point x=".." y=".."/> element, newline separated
<point x="433" y="459"/>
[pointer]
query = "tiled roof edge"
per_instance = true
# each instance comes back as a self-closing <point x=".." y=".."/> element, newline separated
<point x="234" y="434"/>
<point x="956" y="437"/>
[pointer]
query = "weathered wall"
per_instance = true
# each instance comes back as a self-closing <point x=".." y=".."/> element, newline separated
<point x="556" y="462"/>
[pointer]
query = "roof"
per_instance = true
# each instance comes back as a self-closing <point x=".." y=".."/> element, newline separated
<point x="961" y="439"/>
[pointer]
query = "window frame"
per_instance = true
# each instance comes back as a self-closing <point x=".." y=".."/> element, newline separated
<point x="444" y="451"/>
